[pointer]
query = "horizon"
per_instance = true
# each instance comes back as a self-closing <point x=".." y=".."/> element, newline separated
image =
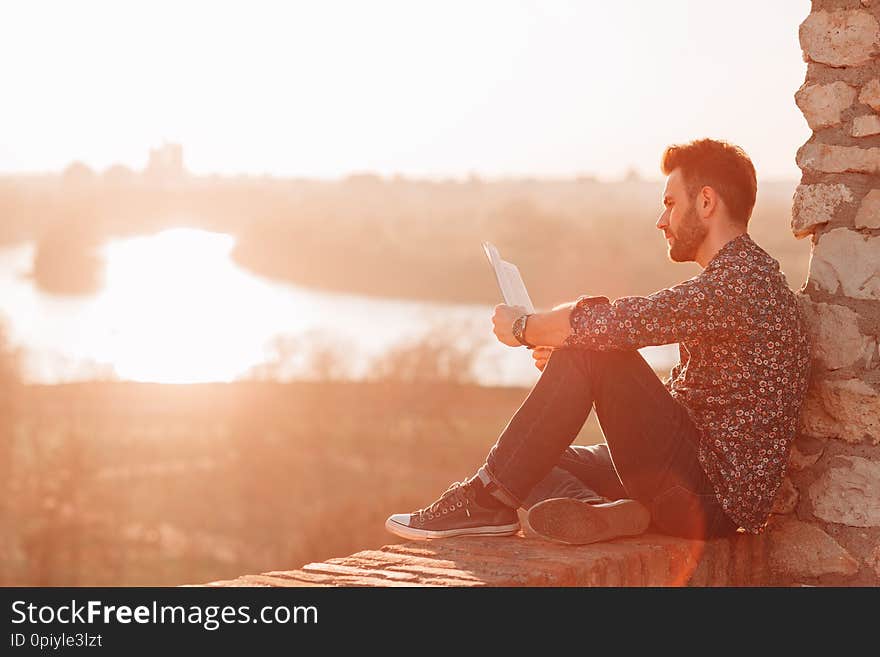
<point x="461" y="178"/>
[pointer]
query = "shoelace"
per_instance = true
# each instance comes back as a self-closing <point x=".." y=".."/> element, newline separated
<point x="455" y="497"/>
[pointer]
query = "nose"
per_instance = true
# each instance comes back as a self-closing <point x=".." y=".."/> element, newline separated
<point x="662" y="222"/>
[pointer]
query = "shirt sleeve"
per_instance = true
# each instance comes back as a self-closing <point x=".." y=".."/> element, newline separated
<point x="703" y="306"/>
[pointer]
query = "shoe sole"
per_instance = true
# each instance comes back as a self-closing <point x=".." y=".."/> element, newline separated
<point x="574" y="522"/>
<point x="405" y="531"/>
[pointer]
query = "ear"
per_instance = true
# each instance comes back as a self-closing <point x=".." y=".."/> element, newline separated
<point x="707" y="202"/>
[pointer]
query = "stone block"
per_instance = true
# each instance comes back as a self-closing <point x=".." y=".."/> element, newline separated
<point x="823" y="103"/>
<point x="835" y="339"/>
<point x="873" y="560"/>
<point x="847" y="409"/>
<point x="800" y="460"/>
<point x="868" y="215"/>
<point x="786" y="498"/>
<point x="814" y="205"/>
<point x="798" y="549"/>
<point x="865" y="126"/>
<point x="870" y="94"/>
<point x="848" y="492"/>
<point x="840" y="38"/>
<point x="829" y="158"/>
<point x="847" y="261"/>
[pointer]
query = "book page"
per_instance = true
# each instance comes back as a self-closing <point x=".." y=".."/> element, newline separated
<point x="509" y="280"/>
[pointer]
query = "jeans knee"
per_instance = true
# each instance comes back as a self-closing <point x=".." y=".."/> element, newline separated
<point x="590" y="361"/>
<point x="572" y="356"/>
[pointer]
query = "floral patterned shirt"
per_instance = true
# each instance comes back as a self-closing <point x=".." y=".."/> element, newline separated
<point x="742" y="372"/>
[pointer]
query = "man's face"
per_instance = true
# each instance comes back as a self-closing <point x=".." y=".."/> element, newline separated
<point x="679" y="222"/>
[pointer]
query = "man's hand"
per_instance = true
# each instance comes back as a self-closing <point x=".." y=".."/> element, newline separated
<point x="503" y="319"/>
<point x="541" y="354"/>
<point x="548" y="329"/>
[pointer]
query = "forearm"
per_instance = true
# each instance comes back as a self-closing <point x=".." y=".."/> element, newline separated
<point x="550" y="328"/>
<point x="692" y="310"/>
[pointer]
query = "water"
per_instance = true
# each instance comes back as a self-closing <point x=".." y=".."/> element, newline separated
<point x="175" y="308"/>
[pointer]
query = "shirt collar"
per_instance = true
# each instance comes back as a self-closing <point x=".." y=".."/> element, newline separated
<point x="729" y="247"/>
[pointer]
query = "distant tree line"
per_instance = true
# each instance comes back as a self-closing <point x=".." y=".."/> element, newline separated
<point x="384" y="237"/>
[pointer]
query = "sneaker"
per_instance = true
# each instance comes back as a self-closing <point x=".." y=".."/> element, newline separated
<point x="576" y="522"/>
<point x="456" y="513"/>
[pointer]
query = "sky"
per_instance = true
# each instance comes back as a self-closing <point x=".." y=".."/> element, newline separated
<point x="422" y="89"/>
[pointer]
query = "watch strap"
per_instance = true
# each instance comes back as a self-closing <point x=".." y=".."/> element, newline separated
<point x="519" y="330"/>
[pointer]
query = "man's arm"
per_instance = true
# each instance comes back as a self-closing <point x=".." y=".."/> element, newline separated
<point x="546" y="329"/>
<point x="550" y="328"/>
<point x="709" y="305"/>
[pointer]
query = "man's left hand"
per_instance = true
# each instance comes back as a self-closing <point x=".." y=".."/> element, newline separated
<point x="503" y="319"/>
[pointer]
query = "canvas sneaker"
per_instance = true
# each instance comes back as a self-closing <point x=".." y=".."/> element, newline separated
<point x="456" y="513"/>
<point x="576" y="522"/>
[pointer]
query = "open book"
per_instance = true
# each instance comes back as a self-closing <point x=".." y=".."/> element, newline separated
<point x="509" y="281"/>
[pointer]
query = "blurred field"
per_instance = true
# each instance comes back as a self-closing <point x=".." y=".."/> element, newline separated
<point x="140" y="484"/>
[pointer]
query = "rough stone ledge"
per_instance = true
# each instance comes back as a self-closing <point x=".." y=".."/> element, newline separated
<point x="647" y="560"/>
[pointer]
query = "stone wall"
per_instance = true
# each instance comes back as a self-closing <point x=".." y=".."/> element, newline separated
<point x="827" y="529"/>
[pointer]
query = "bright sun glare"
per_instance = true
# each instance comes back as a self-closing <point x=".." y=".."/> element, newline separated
<point x="178" y="308"/>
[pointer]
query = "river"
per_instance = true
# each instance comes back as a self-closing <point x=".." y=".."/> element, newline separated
<point x="175" y="308"/>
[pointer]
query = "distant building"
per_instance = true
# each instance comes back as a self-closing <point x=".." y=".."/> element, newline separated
<point x="166" y="163"/>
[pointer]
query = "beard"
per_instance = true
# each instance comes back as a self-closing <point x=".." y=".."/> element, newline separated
<point x="688" y="238"/>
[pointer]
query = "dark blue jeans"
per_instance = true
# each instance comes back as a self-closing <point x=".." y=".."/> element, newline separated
<point x="649" y="454"/>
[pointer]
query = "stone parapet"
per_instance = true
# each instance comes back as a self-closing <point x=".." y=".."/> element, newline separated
<point x="649" y="560"/>
<point x="789" y="553"/>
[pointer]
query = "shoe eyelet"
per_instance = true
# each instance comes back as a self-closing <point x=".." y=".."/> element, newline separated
<point x="460" y="504"/>
<point x="445" y="512"/>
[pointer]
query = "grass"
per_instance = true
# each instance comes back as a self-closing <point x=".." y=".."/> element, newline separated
<point x="143" y="484"/>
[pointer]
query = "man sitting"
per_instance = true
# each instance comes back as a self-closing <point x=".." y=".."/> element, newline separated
<point x="699" y="456"/>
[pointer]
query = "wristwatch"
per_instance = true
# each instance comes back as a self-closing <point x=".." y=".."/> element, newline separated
<point x="519" y="330"/>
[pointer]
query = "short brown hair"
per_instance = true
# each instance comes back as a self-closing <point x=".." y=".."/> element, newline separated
<point x="717" y="164"/>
